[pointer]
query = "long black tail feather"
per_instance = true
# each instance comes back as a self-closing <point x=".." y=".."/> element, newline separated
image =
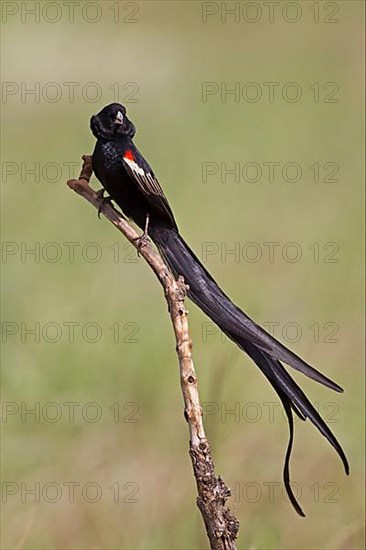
<point x="292" y="397"/>
<point x="205" y="292"/>
<point x="265" y="366"/>
<point x="264" y="350"/>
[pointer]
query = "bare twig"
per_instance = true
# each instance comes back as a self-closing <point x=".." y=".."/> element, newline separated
<point x="221" y="527"/>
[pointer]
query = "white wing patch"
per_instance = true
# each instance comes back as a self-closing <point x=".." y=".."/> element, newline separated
<point x="134" y="166"/>
<point x="147" y="181"/>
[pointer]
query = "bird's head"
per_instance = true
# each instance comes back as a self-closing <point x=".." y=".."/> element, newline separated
<point x="111" y="123"/>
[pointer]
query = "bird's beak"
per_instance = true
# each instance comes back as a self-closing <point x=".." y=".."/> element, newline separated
<point x="119" y="118"/>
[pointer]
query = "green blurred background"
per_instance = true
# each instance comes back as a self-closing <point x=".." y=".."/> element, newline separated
<point x="125" y="447"/>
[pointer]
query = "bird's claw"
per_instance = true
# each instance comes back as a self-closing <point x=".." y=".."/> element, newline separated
<point x="142" y="241"/>
<point x="103" y="200"/>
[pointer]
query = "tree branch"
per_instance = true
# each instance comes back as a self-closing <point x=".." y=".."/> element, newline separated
<point x="221" y="527"/>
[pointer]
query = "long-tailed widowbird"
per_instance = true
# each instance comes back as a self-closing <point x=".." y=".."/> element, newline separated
<point x="131" y="183"/>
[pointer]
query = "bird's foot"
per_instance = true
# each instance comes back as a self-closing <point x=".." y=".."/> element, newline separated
<point x="144" y="239"/>
<point x="141" y="241"/>
<point x="103" y="200"/>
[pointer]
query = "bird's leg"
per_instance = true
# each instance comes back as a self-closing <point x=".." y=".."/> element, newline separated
<point x="103" y="200"/>
<point x="146" y="226"/>
<point x="144" y="239"/>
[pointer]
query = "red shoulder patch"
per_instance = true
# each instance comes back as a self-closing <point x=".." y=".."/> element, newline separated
<point x="129" y="155"/>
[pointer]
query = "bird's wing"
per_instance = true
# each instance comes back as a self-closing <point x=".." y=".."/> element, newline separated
<point x="148" y="185"/>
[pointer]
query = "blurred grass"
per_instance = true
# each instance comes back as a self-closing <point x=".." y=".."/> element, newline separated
<point x="169" y="53"/>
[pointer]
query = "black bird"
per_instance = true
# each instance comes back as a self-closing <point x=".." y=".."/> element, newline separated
<point x="131" y="183"/>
